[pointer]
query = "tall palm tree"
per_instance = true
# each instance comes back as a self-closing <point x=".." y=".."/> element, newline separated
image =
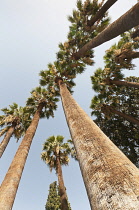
<point x="127" y="21"/>
<point x="41" y="104"/>
<point x="55" y="154"/>
<point x="110" y="178"/>
<point x="15" y="121"/>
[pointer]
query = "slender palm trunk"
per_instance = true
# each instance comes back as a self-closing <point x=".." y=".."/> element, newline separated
<point x="6" y="140"/>
<point x="108" y="108"/>
<point x="101" y="12"/>
<point x="127" y="21"/>
<point x="11" y="181"/>
<point x="62" y="189"/>
<point x="111" y="180"/>
<point x="122" y="83"/>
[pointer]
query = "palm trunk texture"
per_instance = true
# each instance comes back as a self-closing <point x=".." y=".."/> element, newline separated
<point x="121" y="114"/>
<point x="127" y="21"/>
<point x="123" y="83"/>
<point x="111" y="180"/>
<point x="62" y="190"/>
<point x="11" y="181"/>
<point x="6" y="140"/>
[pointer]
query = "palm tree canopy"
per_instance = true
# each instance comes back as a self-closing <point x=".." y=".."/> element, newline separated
<point x="42" y="96"/>
<point x="54" y="146"/>
<point x="17" y="116"/>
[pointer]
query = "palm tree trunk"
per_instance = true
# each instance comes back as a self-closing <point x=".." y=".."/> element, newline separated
<point x="11" y="181"/>
<point x="62" y="189"/>
<point x="101" y="12"/>
<point x="122" y="83"/>
<point x="127" y="21"/>
<point x="6" y="140"/>
<point x="111" y="180"/>
<point x="121" y="114"/>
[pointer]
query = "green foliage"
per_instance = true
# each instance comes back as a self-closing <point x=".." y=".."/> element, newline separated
<point x="16" y="116"/>
<point x="122" y="132"/>
<point x="66" y="67"/>
<point x="53" y="200"/>
<point x="122" y="53"/>
<point x="42" y="96"/>
<point x="54" y="146"/>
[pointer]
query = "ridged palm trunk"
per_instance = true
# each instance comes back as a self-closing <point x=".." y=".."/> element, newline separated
<point x="127" y="21"/>
<point x="11" y="181"/>
<point x="109" y="109"/>
<point x="62" y="189"/>
<point x="111" y="180"/>
<point x="6" y="140"/>
<point x="122" y="83"/>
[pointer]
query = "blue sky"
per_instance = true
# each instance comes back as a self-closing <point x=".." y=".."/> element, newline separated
<point x="30" y="33"/>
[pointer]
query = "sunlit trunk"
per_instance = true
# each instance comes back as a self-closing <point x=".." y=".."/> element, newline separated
<point x="111" y="180"/>
<point x="6" y="140"/>
<point x="127" y="21"/>
<point x="11" y="181"/>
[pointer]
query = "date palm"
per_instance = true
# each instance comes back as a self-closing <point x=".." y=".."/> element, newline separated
<point x="15" y="122"/>
<point x="41" y="104"/>
<point x="55" y="154"/>
<point x="102" y="164"/>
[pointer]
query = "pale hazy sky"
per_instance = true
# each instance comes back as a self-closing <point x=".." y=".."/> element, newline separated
<point x="30" y="32"/>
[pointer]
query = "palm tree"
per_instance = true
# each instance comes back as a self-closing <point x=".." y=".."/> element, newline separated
<point x="15" y="121"/>
<point x="107" y="172"/>
<point x="55" y="154"/>
<point x="90" y="144"/>
<point x="40" y="104"/>
<point x="124" y="23"/>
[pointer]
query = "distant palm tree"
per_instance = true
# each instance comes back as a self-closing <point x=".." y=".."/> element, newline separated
<point x="15" y="122"/>
<point x="55" y="154"/>
<point x="41" y="104"/>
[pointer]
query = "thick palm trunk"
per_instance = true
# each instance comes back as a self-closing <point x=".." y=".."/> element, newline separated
<point x="122" y="83"/>
<point x="11" y="181"/>
<point x="101" y="12"/>
<point x="6" y="140"/>
<point x="110" y="109"/>
<point x="127" y="21"/>
<point x="111" y="180"/>
<point x="62" y="189"/>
